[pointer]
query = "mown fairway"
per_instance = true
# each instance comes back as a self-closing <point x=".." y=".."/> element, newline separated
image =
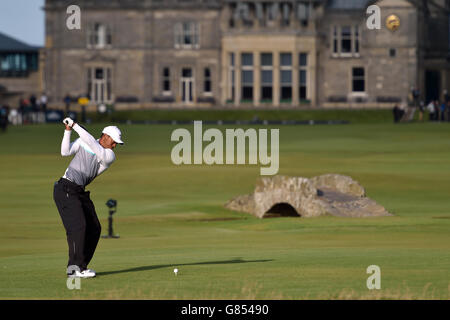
<point x="172" y="216"/>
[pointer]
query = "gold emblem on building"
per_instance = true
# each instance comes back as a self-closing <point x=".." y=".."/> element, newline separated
<point x="393" y="22"/>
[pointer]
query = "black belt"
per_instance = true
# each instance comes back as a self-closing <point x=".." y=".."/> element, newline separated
<point x="71" y="185"/>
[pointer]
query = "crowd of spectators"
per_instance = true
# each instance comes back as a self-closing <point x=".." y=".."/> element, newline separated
<point x="29" y="110"/>
<point x="438" y="111"/>
<point x="32" y="110"/>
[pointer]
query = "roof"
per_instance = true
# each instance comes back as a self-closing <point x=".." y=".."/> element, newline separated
<point x="349" y="4"/>
<point x="8" y="43"/>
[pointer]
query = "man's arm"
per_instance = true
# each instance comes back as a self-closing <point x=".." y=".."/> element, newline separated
<point x="67" y="148"/>
<point x="104" y="155"/>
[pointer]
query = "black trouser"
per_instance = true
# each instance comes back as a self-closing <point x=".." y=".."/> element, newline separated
<point x="80" y="221"/>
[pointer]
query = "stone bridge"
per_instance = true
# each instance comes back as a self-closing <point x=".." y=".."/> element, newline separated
<point x="329" y="194"/>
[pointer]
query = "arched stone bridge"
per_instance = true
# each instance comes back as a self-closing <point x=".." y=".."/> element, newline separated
<point x="329" y="194"/>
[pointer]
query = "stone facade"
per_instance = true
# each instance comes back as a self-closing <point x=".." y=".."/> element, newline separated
<point x="12" y="89"/>
<point x="228" y="53"/>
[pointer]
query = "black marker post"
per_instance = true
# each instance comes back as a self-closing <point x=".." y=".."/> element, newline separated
<point x="112" y="205"/>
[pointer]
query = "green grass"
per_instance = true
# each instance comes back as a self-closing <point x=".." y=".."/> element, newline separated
<point x="172" y="216"/>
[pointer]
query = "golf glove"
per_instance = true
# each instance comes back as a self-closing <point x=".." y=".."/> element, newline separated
<point x="68" y="122"/>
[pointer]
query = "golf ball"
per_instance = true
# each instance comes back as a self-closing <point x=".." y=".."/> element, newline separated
<point x="175" y="270"/>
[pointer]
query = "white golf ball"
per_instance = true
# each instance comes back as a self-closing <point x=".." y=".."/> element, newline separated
<point x="175" y="270"/>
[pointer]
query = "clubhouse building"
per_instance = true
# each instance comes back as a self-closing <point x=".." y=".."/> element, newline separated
<point x="246" y="54"/>
<point x="20" y="70"/>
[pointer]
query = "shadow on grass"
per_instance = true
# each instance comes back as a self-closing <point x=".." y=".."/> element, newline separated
<point x="145" y="268"/>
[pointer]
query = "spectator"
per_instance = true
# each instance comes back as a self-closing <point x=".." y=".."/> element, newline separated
<point x="421" y="110"/>
<point x="83" y="106"/>
<point x="67" y="100"/>
<point x="416" y="96"/>
<point x="4" y="111"/>
<point x="34" y="109"/>
<point x="448" y="111"/>
<point x="43" y="100"/>
<point x="15" y="117"/>
<point x="431" y="110"/>
<point x="25" y="109"/>
<point x="396" y="112"/>
<point x="443" y="111"/>
<point x="21" y="106"/>
<point x="399" y="112"/>
<point x="33" y="102"/>
<point x="437" y="110"/>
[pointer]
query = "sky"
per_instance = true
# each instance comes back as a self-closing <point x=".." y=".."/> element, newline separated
<point x="23" y="20"/>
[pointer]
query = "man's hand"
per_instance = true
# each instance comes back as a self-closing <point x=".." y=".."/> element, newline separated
<point x="68" y="123"/>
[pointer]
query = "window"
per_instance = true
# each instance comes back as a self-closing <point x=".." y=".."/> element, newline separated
<point x="286" y="13"/>
<point x="187" y="35"/>
<point x="335" y="39"/>
<point x="272" y="11"/>
<point x="242" y="12"/>
<point x="302" y="12"/>
<point x="207" y="81"/>
<point x="98" y="73"/>
<point x="17" y="64"/>
<point x="260" y="14"/>
<point x="286" y="76"/>
<point x="166" y="80"/>
<point x="266" y="76"/>
<point x="345" y="41"/>
<point x="231" y="77"/>
<point x="186" y="73"/>
<point x="99" y="36"/>
<point x="392" y="52"/>
<point x="358" y="80"/>
<point x="99" y="84"/>
<point x="303" y="76"/>
<point x="247" y="76"/>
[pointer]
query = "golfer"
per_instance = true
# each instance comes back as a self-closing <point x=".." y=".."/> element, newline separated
<point x="91" y="158"/>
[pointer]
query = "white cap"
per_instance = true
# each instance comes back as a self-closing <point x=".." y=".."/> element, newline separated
<point x="114" y="133"/>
